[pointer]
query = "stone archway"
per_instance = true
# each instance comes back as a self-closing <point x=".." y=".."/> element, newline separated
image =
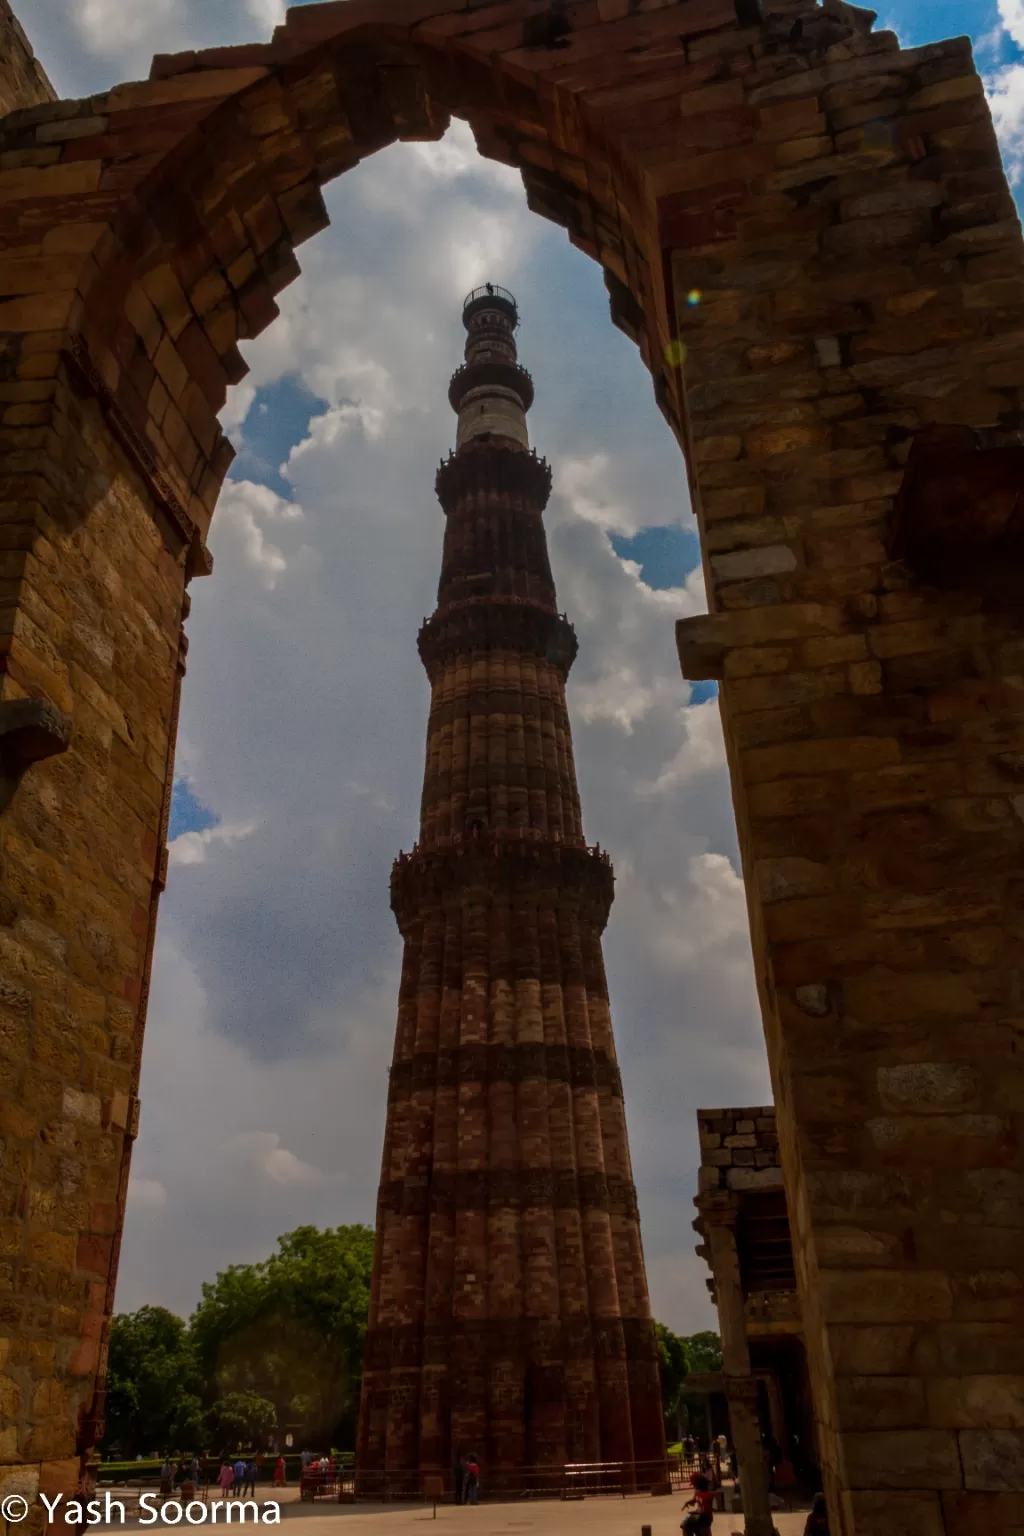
<point x="840" y="206"/>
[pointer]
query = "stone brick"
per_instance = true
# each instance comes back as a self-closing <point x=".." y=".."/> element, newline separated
<point x="896" y="1514"/>
<point x="902" y="1458"/>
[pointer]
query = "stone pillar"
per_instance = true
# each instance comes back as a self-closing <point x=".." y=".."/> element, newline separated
<point x="741" y="1387"/>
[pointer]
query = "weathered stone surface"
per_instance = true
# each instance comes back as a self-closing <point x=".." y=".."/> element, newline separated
<point x="23" y="81"/>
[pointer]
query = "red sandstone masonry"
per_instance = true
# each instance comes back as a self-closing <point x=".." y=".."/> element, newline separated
<point x="517" y="1344"/>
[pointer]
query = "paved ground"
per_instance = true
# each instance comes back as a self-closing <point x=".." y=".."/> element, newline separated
<point x="588" y="1517"/>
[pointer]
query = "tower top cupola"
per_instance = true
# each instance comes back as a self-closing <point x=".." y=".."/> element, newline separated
<point x="491" y="391"/>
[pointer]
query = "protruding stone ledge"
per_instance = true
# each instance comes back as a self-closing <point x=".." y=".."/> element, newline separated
<point x="496" y="865"/>
<point x="496" y="624"/>
<point x="31" y="730"/>
<point x="701" y="643"/>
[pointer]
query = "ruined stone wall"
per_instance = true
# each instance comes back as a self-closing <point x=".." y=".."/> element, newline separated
<point x="739" y="1149"/>
<point x="91" y="606"/>
<point x="871" y="293"/>
<point x="23" y="81"/>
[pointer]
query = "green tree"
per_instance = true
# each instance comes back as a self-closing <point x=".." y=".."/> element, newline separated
<point x="291" y="1330"/>
<point x="152" y="1384"/>
<point x="241" y="1420"/>
<point x="673" y="1365"/>
<point x="704" y="1352"/>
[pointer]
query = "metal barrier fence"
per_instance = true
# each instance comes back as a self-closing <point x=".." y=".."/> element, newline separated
<point x="571" y="1480"/>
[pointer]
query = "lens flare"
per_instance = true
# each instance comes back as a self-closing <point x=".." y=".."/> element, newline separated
<point x="694" y="297"/>
<point x="675" y="354"/>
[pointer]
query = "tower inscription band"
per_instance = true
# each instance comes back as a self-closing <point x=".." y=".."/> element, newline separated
<point x="509" y="1313"/>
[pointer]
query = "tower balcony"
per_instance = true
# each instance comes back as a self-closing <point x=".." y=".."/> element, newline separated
<point x="490" y="296"/>
<point x="497" y="860"/>
<point x="497" y="624"/>
<point x="486" y="466"/>
<point x="495" y="374"/>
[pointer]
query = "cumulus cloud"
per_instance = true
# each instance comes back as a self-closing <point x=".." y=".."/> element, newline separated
<point x="146" y="1195"/>
<point x="267" y="14"/>
<point x="107" y="27"/>
<point x="304" y="714"/>
<point x="1011" y="14"/>
<point x="193" y="847"/>
<point x="1005" y="90"/>
<point x="243" y="513"/>
<point x="262" y="1151"/>
<point x="276" y="976"/>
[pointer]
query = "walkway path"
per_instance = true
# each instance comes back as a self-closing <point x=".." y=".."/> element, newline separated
<point x="588" y="1517"/>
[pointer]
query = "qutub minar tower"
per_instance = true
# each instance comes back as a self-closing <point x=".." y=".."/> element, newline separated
<point x="509" y="1312"/>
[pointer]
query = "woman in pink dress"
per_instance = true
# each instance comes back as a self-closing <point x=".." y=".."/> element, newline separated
<point x="226" y="1477"/>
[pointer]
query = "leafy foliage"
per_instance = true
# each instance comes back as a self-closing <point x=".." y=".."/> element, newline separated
<point x="704" y="1351"/>
<point x="673" y="1365"/>
<point x="240" y="1420"/>
<point x="152" y="1382"/>
<point x="680" y="1356"/>
<point x="271" y="1345"/>
<point x="291" y="1330"/>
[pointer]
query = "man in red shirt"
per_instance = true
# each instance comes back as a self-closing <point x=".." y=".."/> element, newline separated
<point x="698" y="1521"/>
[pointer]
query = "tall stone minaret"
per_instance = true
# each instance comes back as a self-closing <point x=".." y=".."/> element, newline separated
<point x="509" y="1313"/>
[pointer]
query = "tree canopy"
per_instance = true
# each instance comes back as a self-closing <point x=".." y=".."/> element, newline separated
<point x="153" y="1383"/>
<point x="291" y="1329"/>
<point x="673" y="1365"/>
<point x="680" y="1356"/>
<point x="704" y="1351"/>
<point x="240" y="1420"/>
<point x="271" y="1345"/>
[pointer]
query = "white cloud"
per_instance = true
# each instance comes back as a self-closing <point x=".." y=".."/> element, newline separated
<point x="263" y="1151"/>
<point x="304" y="713"/>
<point x="1005" y="90"/>
<point x="146" y="1195"/>
<point x="584" y="484"/>
<point x="267" y="14"/>
<point x="193" y="847"/>
<point x="107" y="27"/>
<point x="1011" y="14"/>
<point x="242" y="510"/>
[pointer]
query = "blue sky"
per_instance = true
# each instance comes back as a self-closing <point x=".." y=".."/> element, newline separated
<point x="301" y="747"/>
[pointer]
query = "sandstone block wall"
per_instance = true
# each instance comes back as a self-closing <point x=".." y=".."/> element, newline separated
<point x="739" y="1149"/>
<point x="23" y="81"/>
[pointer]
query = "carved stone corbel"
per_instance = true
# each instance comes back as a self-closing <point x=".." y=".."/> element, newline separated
<point x="30" y="730"/>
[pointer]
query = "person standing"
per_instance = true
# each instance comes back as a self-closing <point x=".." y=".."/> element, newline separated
<point x="251" y="1472"/>
<point x="817" y="1520"/>
<point x="226" y="1477"/>
<point x="701" y="1515"/>
<point x="239" y="1475"/>
<point x="472" y="1478"/>
<point x="280" y="1474"/>
<point x="459" y="1478"/>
